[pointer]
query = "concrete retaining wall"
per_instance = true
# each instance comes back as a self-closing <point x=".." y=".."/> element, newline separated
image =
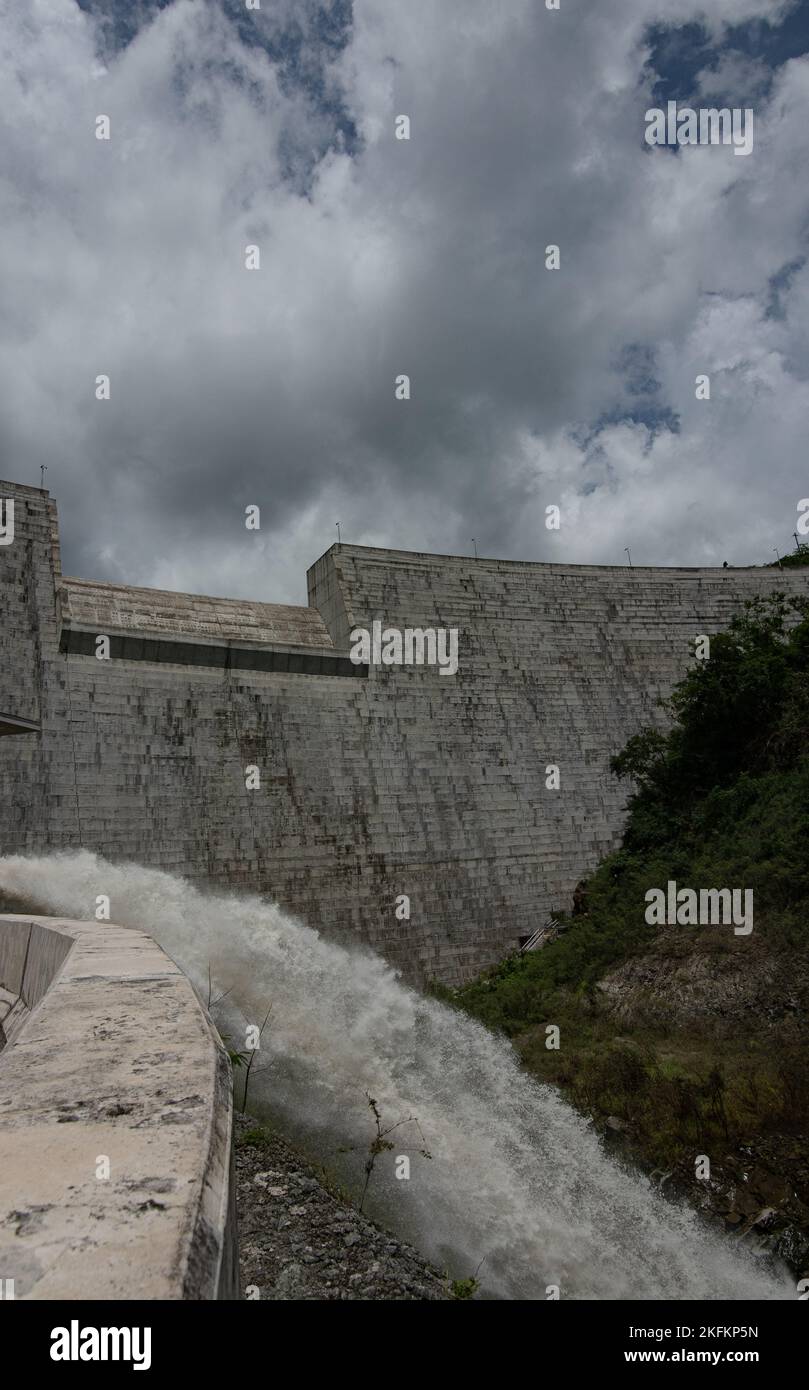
<point x="110" y="1066"/>
<point x="397" y="781"/>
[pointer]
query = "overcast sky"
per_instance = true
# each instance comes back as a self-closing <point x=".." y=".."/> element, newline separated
<point x="275" y="387"/>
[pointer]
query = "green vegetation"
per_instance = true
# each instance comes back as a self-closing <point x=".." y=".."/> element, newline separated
<point x="464" y="1288"/>
<point x="721" y="800"/>
<point x="380" y="1143"/>
<point x="256" y="1138"/>
<point x="799" y="556"/>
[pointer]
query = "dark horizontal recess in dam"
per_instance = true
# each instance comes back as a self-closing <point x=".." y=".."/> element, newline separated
<point x="12" y="724"/>
<point x="203" y="654"/>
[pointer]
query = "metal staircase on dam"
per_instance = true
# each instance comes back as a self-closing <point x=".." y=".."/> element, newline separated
<point x="548" y="932"/>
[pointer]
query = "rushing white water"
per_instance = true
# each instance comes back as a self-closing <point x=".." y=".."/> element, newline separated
<point x="516" y="1178"/>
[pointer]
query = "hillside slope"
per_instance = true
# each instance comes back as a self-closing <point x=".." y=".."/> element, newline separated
<point x="690" y="1041"/>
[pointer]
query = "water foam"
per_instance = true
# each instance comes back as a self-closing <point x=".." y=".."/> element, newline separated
<point x="516" y="1178"/>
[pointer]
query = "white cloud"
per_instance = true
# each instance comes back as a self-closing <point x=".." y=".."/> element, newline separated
<point x="427" y="257"/>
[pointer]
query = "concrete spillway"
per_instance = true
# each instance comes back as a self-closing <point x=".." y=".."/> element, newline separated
<point x="115" y="1120"/>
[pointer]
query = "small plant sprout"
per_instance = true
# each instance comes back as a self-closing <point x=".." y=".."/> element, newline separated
<point x="381" y="1143"/>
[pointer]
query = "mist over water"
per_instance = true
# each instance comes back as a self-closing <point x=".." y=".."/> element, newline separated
<point x="516" y="1179"/>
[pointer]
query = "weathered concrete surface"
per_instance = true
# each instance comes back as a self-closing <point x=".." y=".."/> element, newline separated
<point x="110" y="608"/>
<point x="405" y="782"/>
<point x="30" y="957"/>
<point x="111" y="1056"/>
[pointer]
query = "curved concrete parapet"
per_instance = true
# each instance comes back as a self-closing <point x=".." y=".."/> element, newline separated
<point x="110" y="1065"/>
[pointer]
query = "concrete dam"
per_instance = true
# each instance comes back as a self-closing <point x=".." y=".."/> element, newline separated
<point x="478" y="799"/>
<point x="237" y="746"/>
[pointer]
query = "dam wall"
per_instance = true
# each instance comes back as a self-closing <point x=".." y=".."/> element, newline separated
<point x="375" y="782"/>
<point x="115" y="1120"/>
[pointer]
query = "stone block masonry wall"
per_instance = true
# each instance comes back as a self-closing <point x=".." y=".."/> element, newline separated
<point x="557" y="665"/>
<point x="403" y="782"/>
<point x="38" y="779"/>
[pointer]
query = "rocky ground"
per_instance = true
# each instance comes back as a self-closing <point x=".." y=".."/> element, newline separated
<point x="752" y="1194"/>
<point x="759" y="1188"/>
<point x="739" y="984"/>
<point x="299" y="1240"/>
<point x="695" y="1047"/>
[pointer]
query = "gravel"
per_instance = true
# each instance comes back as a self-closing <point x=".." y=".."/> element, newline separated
<point x="298" y="1240"/>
